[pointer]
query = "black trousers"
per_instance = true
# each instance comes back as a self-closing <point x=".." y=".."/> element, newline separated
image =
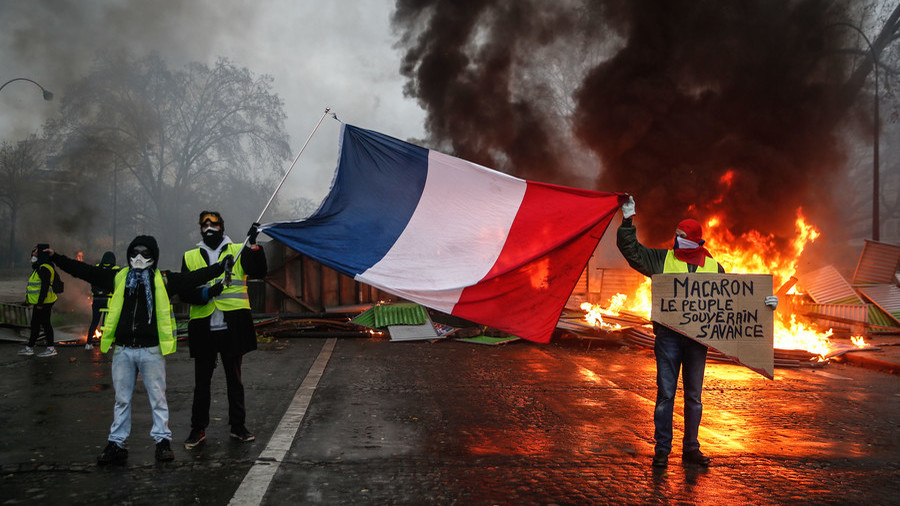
<point x="204" y="366"/>
<point x="41" y="318"/>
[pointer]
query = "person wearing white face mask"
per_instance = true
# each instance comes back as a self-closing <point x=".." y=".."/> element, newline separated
<point x="140" y="328"/>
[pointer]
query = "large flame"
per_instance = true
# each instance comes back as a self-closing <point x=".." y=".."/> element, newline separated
<point x="756" y="253"/>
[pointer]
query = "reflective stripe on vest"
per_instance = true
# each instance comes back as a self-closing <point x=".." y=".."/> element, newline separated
<point x="165" y="315"/>
<point x="33" y="290"/>
<point x="233" y="297"/>
<point x="675" y="266"/>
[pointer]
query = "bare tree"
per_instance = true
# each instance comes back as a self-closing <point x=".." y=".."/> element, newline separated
<point x="20" y="164"/>
<point x="175" y="134"/>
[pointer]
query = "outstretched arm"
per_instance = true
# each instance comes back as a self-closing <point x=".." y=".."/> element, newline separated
<point x="104" y="278"/>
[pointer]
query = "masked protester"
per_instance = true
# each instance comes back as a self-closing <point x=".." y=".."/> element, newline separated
<point x="221" y="323"/>
<point x="674" y="352"/>
<point x="99" y="299"/>
<point x="140" y="329"/>
<point x="40" y="294"/>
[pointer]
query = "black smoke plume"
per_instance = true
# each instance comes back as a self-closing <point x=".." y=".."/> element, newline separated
<point x="694" y="107"/>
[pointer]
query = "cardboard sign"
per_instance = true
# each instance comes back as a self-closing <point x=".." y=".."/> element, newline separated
<point x="725" y="312"/>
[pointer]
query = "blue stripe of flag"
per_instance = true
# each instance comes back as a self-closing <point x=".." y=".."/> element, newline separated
<point x="377" y="186"/>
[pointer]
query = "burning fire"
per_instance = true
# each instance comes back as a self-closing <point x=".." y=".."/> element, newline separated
<point x="749" y="253"/>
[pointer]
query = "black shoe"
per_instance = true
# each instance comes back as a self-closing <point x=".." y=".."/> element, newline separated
<point x="113" y="454"/>
<point x="241" y="433"/>
<point x="196" y="437"/>
<point x="696" y="458"/>
<point x="164" y="451"/>
<point x="660" y="459"/>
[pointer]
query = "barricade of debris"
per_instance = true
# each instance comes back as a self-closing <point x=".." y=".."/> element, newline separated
<point x="867" y="306"/>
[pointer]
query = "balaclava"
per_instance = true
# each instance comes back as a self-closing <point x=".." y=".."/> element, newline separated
<point x="690" y="248"/>
<point x="109" y="258"/>
<point x="212" y="237"/>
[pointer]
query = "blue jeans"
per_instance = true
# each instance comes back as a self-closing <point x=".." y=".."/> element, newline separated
<point x="126" y="364"/>
<point x="676" y="352"/>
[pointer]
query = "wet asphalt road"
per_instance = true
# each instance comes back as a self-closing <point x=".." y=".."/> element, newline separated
<point x="456" y="423"/>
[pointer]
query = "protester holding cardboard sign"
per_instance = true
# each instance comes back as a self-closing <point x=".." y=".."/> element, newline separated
<point x="674" y="352"/>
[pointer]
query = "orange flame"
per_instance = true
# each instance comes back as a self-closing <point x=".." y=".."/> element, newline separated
<point x="752" y="252"/>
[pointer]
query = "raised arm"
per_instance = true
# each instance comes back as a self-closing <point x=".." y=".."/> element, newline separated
<point x="104" y="278"/>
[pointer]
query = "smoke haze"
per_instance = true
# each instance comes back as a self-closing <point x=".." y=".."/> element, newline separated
<point x="694" y="107"/>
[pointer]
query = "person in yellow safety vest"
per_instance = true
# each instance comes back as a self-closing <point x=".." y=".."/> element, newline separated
<point x="140" y="329"/>
<point x="40" y="294"/>
<point x="99" y="299"/>
<point x="674" y="352"/>
<point x="221" y="324"/>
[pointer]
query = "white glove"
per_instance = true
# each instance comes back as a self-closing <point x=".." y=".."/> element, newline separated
<point x="772" y="302"/>
<point x="628" y="208"/>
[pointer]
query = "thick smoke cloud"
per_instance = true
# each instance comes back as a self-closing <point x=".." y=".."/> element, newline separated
<point x="693" y="106"/>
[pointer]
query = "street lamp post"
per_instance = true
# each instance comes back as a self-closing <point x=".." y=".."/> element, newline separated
<point x="876" y="225"/>
<point x="47" y="94"/>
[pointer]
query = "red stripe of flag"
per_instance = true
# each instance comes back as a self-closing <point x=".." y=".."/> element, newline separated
<point x="552" y="238"/>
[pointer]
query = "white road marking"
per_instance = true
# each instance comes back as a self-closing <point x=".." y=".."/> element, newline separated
<point x="255" y="484"/>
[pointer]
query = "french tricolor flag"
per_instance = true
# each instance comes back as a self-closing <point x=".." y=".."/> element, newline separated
<point x="452" y="235"/>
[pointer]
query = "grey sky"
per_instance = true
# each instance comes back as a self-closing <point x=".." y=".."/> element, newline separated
<point x="336" y="53"/>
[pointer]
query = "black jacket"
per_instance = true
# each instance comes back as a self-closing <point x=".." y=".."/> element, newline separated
<point x="135" y="328"/>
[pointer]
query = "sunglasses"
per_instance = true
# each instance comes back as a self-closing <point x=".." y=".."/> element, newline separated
<point x="140" y="250"/>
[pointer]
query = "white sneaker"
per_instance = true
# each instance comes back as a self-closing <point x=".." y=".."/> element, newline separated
<point x="88" y="346"/>
<point x="27" y="351"/>
<point x="49" y="352"/>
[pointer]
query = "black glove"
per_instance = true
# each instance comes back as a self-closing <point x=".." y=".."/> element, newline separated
<point x="252" y="233"/>
<point x="227" y="263"/>
<point x="215" y="290"/>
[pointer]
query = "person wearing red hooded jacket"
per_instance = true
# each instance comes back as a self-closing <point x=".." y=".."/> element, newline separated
<point x="674" y="352"/>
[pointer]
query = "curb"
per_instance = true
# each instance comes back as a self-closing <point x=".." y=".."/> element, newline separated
<point x="869" y="363"/>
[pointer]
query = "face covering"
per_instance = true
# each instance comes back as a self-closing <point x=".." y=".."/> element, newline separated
<point x="139" y="262"/>
<point x="212" y="237"/>
<point x="682" y="243"/>
<point x="33" y="259"/>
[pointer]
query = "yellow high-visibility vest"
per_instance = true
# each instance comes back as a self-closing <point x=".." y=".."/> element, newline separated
<point x="33" y="290"/>
<point x="675" y="266"/>
<point x="165" y="315"/>
<point x="233" y="297"/>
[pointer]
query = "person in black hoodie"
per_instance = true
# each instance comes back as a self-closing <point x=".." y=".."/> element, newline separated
<point x="141" y="325"/>
<point x="99" y="299"/>
<point x="41" y="295"/>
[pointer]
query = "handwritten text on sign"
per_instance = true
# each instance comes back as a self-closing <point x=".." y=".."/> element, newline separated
<point x="723" y="311"/>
